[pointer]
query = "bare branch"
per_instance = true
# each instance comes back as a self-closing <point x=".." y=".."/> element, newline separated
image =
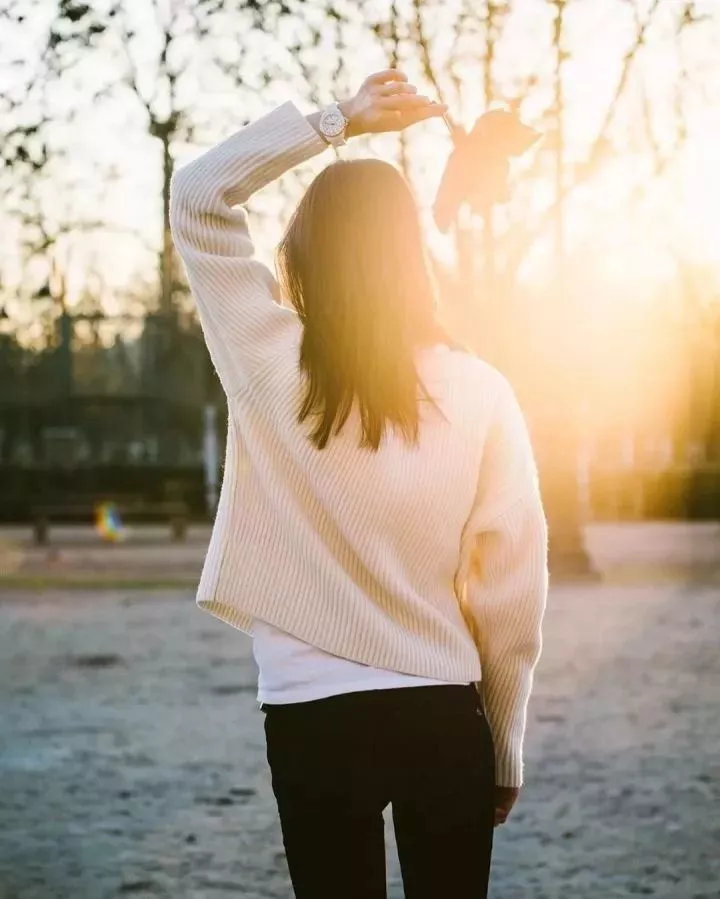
<point x="423" y="44"/>
<point x="581" y="176"/>
<point x="131" y="75"/>
<point x="627" y="66"/>
<point x="394" y="62"/>
<point x="494" y="12"/>
<point x="650" y="135"/>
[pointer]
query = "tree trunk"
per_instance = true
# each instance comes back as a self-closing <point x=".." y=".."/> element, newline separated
<point x="492" y="13"/>
<point x="167" y="252"/>
<point x="557" y="433"/>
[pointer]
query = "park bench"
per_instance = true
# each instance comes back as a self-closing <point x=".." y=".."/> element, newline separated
<point x="81" y="509"/>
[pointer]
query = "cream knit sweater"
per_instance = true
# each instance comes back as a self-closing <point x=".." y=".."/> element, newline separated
<point x="429" y="560"/>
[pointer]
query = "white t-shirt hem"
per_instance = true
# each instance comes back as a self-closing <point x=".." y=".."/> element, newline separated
<point x="308" y="694"/>
<point x="291" y="671"/>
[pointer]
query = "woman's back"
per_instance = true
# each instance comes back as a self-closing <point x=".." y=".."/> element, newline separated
<point x="395" y="516"/>
<point x="339" y="544"/>
<point x="402" y="510"/>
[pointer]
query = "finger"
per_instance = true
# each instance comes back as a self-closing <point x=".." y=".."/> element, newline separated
<point x="404" y="101"/>
<point x="386" y="75"/>
<point x="396" y="87"/>
<point x="431" y="111"/>
<point x="412" y="117"/>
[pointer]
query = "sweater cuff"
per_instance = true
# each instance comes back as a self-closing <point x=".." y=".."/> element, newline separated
<point x="278" y="142"/>
<point x="509" y="766"/>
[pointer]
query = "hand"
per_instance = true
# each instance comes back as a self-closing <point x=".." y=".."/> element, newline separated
<point x="505" y="798"/>
<point x="387" y="102"/>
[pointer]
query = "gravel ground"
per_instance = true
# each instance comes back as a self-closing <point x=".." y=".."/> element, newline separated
<point x="132" y="756"/>
<point x="647" y="552"/>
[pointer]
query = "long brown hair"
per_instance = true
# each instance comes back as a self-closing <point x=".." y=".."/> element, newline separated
<point x="353" y="264"/>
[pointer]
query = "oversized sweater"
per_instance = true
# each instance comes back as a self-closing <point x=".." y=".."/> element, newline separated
<point x="428" y="559"/>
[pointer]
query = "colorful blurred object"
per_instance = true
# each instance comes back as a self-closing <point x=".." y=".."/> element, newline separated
<point x="108" y="523"/>
<point x="478" y="168"/>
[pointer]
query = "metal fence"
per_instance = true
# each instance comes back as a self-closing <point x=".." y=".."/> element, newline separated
<point x="111" y="407"/>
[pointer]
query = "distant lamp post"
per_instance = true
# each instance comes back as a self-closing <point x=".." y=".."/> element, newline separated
<point x="210" y="458"/>
<point x="6" y="323"/>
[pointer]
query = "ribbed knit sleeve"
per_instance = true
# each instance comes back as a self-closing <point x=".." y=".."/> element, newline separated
<point x="507" y="582"/>
<point x="235" y="294"/>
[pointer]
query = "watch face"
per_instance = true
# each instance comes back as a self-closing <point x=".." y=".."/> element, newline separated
<point x="333" y="123"/>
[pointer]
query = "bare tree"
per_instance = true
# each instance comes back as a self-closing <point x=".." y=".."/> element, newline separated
<point x="32" y="148"/>
<point x="224" y="46"/>
<point x="195" y="44"/>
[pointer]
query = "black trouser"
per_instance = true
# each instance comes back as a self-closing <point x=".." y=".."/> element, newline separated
<point x="336" y="764"/>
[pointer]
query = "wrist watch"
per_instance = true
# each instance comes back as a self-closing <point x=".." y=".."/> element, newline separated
<point x="333" y="124"/>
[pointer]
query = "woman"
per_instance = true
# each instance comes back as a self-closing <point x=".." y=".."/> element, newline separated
<point x="380" y="531"/>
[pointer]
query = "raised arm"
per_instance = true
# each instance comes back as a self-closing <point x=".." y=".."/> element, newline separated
<point x="236" y="295"/>
<point x="507" y="583"/>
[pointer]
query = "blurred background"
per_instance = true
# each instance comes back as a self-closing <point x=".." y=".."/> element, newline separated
<point x="596" y="289"/>
<point x="604" y="268"/>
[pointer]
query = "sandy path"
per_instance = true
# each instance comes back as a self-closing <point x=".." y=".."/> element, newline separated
<point x="132" y="759"/>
